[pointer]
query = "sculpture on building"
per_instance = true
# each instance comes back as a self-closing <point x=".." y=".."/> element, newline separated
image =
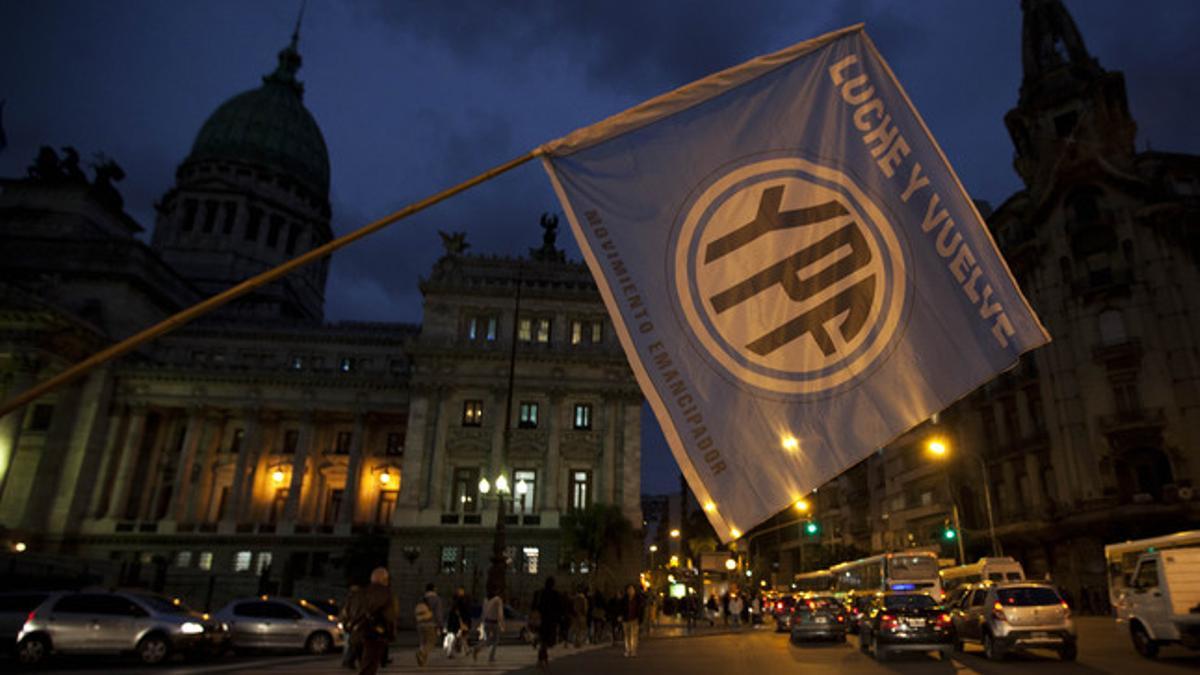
<point x="455" y="243"/>
<point x="548" y="252"/>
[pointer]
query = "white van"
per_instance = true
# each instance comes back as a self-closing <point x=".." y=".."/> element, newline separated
<point x="1161" y="601"/>
<point x="995" y="569"/>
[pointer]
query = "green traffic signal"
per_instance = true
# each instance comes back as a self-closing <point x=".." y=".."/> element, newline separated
<point x="812" y="528"/>
<point x="949" y="534"/>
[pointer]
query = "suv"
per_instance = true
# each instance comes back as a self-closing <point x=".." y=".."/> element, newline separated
<point x="98" y="622"/>
<point x="1011" y="615"/>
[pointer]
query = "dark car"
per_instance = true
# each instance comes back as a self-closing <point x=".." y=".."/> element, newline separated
<point x="906" y="622"/>
<point x="856" y="609"/>
<point x="818" y="617"/>
<point x="781" y="609"/>
<point x="14" y="609"/>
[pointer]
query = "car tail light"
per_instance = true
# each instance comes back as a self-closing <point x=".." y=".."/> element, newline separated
<point x="1066" y="610"/>
<point x="32" y="615"/>
<point x="943" y="620"/>
<point x="998" y="612"/>
<point x="841" y="618"/>
<point x="887" y="621"/>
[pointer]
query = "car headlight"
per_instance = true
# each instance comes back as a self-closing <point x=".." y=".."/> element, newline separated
<point x="224" y="627"/>
<point x="341" y="626"/>
<point x="191" y="628"/>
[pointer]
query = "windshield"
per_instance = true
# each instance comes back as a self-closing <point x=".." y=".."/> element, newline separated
<point x="1027" y="597"/>
<point x="313" y="611"/>
<point x="915" y="601"/>
<point x="913" y="567"/>
<point x="162" y="605"/>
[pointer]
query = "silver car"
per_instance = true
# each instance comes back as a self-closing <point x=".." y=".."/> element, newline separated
<point x="100" y="622"/>
<point x="280" y="623"/>
<point x="1007" y="616"/>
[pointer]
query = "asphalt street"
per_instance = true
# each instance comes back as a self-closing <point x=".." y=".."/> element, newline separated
<point x="1102" y="649"/>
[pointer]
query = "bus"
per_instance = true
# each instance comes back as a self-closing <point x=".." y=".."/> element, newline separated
<point x="985" y="569"/>
<point x="820" y="581"/>
<point x="912" y="570"/>
<point x="1122" y="558"/>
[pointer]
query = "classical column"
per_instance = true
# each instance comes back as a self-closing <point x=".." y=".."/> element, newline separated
<point x="605" y="427"/>
<point x="412" y="466"/>
<point x="108" y="466"/>
<point x="435" y="478"/>
<point x="23" y="377"/>
<point x="193" y="441"/>
<point x="250" y="436"/>
<point x="47" y="473"/>
<point x="80" y="470"/>
<point x="200" y="480"/>
<point x="135" y="433"/>
<point x="350" y="491"/>
<point x="496" y="458"/>
<point x="299" y="466"/>
<point x="549" y="481"/>
<point x="256" y="474"/>
<point x="157" y="465"/>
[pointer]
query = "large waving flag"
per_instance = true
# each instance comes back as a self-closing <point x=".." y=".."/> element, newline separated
<point x="795" y="272"/>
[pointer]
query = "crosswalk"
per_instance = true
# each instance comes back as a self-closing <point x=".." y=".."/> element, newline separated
<point x="509" y="658"/>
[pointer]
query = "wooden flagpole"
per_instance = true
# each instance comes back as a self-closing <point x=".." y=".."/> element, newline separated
<point x="170" y="323"/>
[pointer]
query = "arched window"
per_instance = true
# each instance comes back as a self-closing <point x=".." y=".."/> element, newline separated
<point x="1112" y="327"/>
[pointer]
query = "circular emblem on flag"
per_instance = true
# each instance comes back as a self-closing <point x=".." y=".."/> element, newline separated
<point x="789" y="276"/>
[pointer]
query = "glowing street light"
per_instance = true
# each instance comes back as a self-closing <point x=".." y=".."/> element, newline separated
<point x="522" y="487"/>
<point x="802" y="505"/>
<point x="790" y="443"/>
<point x="710" y="507"/>
<point x="501" y="483"/>
<point x="20" y="547"/>
<point x="674" y="534"/>
<point x="730" y="564"/>
<point x="654" y="548"/>
<point x="385" y="478"/>
<point x="277" y="476"/>
<point x="484" y="486"/>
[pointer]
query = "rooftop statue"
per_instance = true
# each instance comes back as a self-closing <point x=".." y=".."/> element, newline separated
<point x="455" y="243"/>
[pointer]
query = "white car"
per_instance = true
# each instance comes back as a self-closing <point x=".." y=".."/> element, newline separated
<point x="1161" y="603"/>
<point x="280" y="623"/>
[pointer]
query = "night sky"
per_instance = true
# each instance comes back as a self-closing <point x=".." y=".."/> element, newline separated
<point x="413" y="97"/>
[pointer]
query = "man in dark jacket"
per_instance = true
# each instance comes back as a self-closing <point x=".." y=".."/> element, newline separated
<point x="549" y="608"/>
<point x="374" y="622"/>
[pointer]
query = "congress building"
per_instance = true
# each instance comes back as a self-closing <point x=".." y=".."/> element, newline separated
<point x="261" y="448"/>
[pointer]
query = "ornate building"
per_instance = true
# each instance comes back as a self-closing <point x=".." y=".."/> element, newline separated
<point x="1093" y="438"/>
<point x="261" y="449"/>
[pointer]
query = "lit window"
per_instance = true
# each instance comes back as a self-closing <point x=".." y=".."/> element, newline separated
<point x="579" y="488"/>
<point x="241" y="561"/>
<point x="472" y="413"/>
<point x="525" y="330"/>
<point x="597" y="332"/>
<point x="346" y="365"/>
<point x="583" y="416"/>
<point x="465" y="495"/>
<point x="263" y="563"/>
<point x="491" y="329"/>
<point x="543" y="331"/>
<point x="387" y="505"/>
<point x="530" y="554"/>
<point x="524" y="491"/>
<point x="297" y="363"/>
<point x="529" y="415"/>
<point x="450" y="556"/>
<point x="471" y="329"/>
<point x="204" y="560"/>
<point x="576" y="332"/>
<point x="183" y="559"/>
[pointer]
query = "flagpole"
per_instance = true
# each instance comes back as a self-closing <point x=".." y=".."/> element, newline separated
<point x="170" y="323"/>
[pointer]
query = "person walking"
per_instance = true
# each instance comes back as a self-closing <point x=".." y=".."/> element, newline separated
<point x="579" y="617"/>
<point x="458" y="624"/>
<point x="597" y="610"/>
<point x="350" y="648"/>
<point x="546" y="611"/>
<point x="427" y="612"/>
<point x="735" y="610"/>
<point x="493" y="625"/>
<point x="713" y="609"/>
<point x="374" y="621"/>
<point x="631" y="617"/>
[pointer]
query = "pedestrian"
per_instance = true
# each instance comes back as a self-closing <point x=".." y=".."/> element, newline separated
<point x="579" y="617"/>
<point x="492" y="619"/>
<point x="597" y="609"/>
<point x="691" y="609"/>
<point x="725" y="608"/>
<point x="351" y="649"/>
<point x="545" y="615"/>
<point x="458" y="624"/>
<point x="631" y="616"/>
<point x="375" y="621"/>
<point x="427" y="612"/>
<point x="712" y="608"/>
<point x="613" y="616"/>
<point x="735" y="610"/>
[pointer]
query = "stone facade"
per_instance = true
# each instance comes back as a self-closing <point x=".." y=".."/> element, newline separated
<point x="260" y="448"/>
<point x="1092" y="438"/>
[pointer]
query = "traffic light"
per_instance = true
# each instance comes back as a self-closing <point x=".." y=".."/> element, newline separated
<point x="948" y="533"/>
<point x="812" y="528"/>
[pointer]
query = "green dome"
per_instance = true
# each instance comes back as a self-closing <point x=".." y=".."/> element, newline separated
<point x="269" y="126"/>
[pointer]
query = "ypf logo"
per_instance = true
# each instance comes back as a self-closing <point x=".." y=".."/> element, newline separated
<point x="790" y="276"/>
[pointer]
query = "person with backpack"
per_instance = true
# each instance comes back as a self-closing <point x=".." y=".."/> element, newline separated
<point x="374" y="621"/>
<point x="427" y="613"/>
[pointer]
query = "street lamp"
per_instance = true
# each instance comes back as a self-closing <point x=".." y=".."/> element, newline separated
<point x="496" y="570"/>
<point x="674" y="534"/>
<point x="940" y="449"/>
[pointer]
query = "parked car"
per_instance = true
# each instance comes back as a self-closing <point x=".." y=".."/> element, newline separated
<point x="1007" y="616"/>
<point x="1161" y="601"/>
<point x="280" y="623"/>
<point x="14" y="609"/>
<point x="897" y="622"/>
<point x="98" y="622"/>
<point x="818" y="617"/>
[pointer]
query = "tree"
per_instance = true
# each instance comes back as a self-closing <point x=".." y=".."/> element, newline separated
<point x="595" y="535"/>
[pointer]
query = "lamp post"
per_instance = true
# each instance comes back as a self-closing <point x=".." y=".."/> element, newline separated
<point x="495" y="577"/>
<point x="939" y="449"/>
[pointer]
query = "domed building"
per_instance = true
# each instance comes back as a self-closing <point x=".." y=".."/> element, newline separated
<point x="261" y="449"/>
<point x="253" y="193"/>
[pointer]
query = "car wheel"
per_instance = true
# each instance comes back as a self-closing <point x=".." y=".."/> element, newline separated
<point x="1142" y="642"/>
<point x="992" y="649"/>
<point x="318" y="643"/>
<point x="1068" y="652"/>
<point x="33" y="650"/>
<point x="153" y="649"/>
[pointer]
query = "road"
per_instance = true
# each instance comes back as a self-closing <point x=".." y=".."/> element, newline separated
<point x="755" y="652"/>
